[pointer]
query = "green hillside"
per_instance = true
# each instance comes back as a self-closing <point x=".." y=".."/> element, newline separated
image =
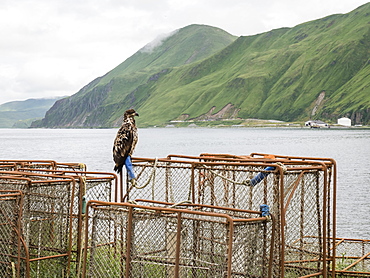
<point x="21" y="114"/>
<point x="104" y="100"/>
<point x="316" y="70"/>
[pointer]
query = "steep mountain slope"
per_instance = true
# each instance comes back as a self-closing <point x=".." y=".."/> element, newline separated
<point x="104" y="100"/>
<point x="319" y="69"/>
<point x="315" y="70"/>
<point x="21" y="113"/>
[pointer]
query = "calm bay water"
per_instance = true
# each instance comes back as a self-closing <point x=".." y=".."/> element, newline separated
<point x="349" y="147"/>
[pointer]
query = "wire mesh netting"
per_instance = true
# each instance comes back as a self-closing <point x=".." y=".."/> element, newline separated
<point x="52" y="212"/>
<point x="353" y="257"/>
<point x="45" y="222"/>
<point x="298" y="193"/>
<point x="40" y="164"/>
<point x="194" y="217"/>
<point x="218" y="184"/>
<point x="11" y="247"/>
<point x="132" y="240"/>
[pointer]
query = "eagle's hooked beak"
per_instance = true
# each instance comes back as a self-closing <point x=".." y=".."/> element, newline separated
<point x="137" y="114"/>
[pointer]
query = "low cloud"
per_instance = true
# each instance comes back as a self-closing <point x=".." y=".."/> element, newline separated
<point x="148" y="48"/>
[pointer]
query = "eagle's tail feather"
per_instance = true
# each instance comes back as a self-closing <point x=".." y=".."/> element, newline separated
<point x="118" y="168"/>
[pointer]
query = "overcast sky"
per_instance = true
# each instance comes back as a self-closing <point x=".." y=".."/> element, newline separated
<point x="55" y="47"/>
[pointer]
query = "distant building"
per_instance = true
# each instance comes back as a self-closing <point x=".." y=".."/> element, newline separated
<point x="316" y="124"/>
<point x="344" y="121"/>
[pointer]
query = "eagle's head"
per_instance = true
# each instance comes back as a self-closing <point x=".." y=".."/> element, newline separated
<point x="131" y="113"/>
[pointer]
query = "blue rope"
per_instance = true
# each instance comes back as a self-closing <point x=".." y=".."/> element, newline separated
<point x="129" y="168"/>
<point x="261" y="175"/>
<point x="265" y="210"/>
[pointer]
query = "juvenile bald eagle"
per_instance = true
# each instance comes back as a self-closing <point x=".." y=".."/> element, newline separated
<point x="125" y="141"/>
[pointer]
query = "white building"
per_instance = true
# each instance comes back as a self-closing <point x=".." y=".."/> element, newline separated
<point x="344" y="121"/>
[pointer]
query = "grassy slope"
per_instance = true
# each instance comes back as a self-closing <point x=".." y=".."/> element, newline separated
<point x="278" y="74"/>
<point x="22" y="113"/>
<point x="103" y="101"/>
<point x="189" y="44"/>
<point x="274" y="75"/>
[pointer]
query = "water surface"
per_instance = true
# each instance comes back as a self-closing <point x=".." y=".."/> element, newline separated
<point x="349" y="147"/>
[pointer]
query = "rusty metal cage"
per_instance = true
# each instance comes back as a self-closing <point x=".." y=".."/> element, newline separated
<point x="53" y="210"/>
<point x="45" y="223"/>
<point x="41" y="164"/>
<point x="156" y="239"/>
<point x="12" y="249"/>
<point x="196" y="216"/>
<point x="299" y="191"/>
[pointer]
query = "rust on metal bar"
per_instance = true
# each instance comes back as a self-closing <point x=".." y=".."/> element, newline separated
<point x="48" y="257"/>
<point x="356" y="262"/>
<point x="312" y="275"/>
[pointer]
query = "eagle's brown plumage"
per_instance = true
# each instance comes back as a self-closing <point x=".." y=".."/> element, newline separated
<point x="126" y="140"/>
